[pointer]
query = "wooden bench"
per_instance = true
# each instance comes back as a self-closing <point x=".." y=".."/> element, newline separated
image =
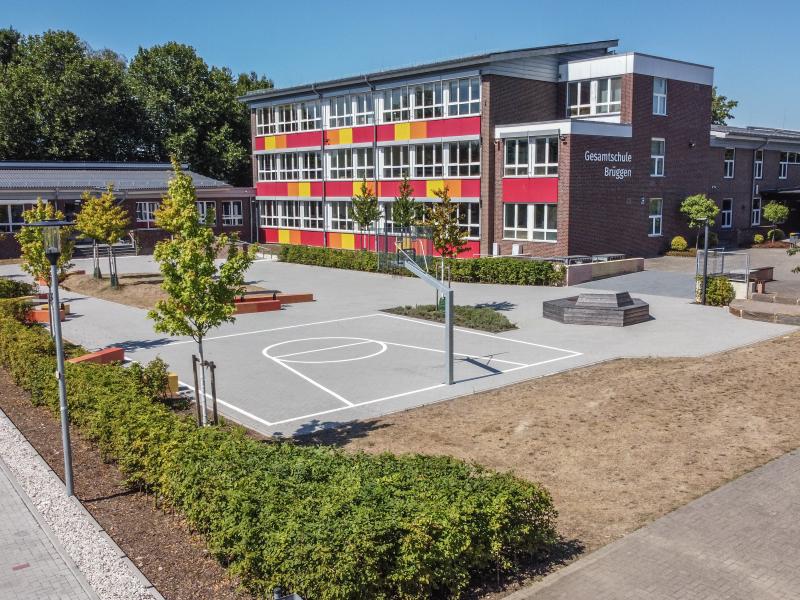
<point x="101" y="357"/>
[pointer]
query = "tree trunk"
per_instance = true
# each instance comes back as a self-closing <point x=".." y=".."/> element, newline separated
<point x="96" y="274"/>
<point x="203" y="404"/>
<point x="110" y="270"/>
<point x="112" y="265"/>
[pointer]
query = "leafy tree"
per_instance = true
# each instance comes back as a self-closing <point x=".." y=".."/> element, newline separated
<point x="9" y="42"/>
<point x="775" y="213"/>
<point x="366" y="210"/>
<point x="200" y="294"/>
<point x="103" y="220"/>
<point x="721" y="108"/>
<point x="449" y="239"/>
<point x="697" y="209"/>
<point x="404" y="209"/>
<point x="31" y="242"/>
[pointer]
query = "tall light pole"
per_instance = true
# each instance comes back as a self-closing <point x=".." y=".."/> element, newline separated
<point x="705" y="261"/>
<point x="51" y="237"/>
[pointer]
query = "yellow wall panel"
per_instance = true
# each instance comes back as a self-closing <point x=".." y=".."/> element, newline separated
<point x="269" y="142"/>
<point x="284" y="236"/>
<point x="348" y="241"/>
<point x="304" y="189"/>
<point x="402" y="131"/>
<point x="432" y="185"/>
<point x="346" y="136"/>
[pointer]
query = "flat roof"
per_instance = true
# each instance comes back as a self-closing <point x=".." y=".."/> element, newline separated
<point x="757" y="133"/>
<point x="467" y="61"/>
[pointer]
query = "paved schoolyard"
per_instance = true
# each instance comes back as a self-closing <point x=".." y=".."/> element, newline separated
<point x="339" y="358"/>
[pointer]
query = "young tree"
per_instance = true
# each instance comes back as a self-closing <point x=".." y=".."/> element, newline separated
<point x="721" y="108"/>
<point x="449" y="239"/>
<point x="366" y="210"/>
<point x="697" y="209"/>
<point x="103" y="220"/>
<point x="404" y="209"/>
<point x="200" y="295"/>
<point x="776" y="213"/>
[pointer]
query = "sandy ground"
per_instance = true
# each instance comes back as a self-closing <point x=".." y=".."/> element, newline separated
<point x="617" y="444"/>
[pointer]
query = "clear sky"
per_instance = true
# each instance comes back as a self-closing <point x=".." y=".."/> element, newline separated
<point x="752" y="45"/>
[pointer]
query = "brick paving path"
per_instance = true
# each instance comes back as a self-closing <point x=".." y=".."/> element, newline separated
<point x="33" y="566"/>
<point x="741" y="541"/>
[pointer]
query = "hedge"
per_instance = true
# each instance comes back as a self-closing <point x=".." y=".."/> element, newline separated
<point x="318" y="521"/>
<point x="13" y="288"/>
<point x="470" y="270"/>
<point x="474" y="317"/>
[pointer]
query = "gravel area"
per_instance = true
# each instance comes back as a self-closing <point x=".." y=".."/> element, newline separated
<point x="111" y="576"/>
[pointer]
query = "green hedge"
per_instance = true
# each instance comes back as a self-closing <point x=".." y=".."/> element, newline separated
<point x="318" y="521"/>
<point x="470" y="270"/>
<point x="474" y="317"/>
<point x="12" y="288"/>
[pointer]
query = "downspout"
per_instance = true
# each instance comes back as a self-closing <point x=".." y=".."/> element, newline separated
<point x="324" y="164"/>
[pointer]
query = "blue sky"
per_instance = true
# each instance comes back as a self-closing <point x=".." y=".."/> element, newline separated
<point x="752" y="45"/>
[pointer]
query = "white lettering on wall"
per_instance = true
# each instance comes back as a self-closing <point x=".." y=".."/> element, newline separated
<point x="612" y="171"/>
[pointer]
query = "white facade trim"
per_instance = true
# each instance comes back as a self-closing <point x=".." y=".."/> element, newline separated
<point x="564" y="127"/>
<point x="633" y="62"/>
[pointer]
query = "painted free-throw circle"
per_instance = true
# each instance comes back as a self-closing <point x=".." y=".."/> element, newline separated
<point x="343" y="342"/>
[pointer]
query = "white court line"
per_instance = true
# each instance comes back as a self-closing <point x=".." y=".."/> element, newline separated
<point x="322" y="349"/>
<point x="489" y="358"/>
<point x="232" y="407"/>
<point x="308" y="379"/>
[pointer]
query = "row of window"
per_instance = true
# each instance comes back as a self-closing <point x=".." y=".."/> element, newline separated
<point x="785" y="159"/>
<point x="531" y="156"/>
<point x="433" y="100"/>
<point x="309" y="214"/>
<point x="604" y="96"/>
<point x="11" y="216"/>
<point x="231" y="212"/>
<point x="453" y="159"/>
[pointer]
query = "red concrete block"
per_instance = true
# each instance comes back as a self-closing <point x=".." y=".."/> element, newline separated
<point x="254" y="306"/>
<point x="42" y="315"/>
<point x="101" y="357"/>
<point x="294" y="298"/>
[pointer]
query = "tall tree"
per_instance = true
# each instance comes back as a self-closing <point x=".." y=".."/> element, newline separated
<point x="404" y="210"/>
<point x="366" y="210"/>
<point x="103" y="220"/>
<point x="9" y="42"/>
<point x="721" y="108"/>
<point x="200" y="294"/>
<point x="449" y="239"/>
<point x="698" y="209"/>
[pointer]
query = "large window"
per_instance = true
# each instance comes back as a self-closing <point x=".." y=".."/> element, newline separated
<point x="730" y="160"/>
<point x="755" y="213"/>
<point x="464" y="96"/>
<point x="364" y="163"/>
<point x="428" y="160"/>
<point x="783" y="166"/>
<point x="727" y="213"/>
<point x="464" y="159"/>
<point x="657" y="154"/>
<point x="268" y="213"/>
<point x="395" y="105"/>
<point x="655" y="216"/>
<point x="341" y="112"/>
<point x="309" y="114"/>
<point x="469" y="218"/>
<point x="594" y="96"/>
<point x="545" y="156"/>
<point x="11" y="216"/>
<point x="265" y="120"/>
<point x="659" y="96"/>
<point x="208" y="211"/>
<point x="341" y="216"/>
<point x="341" y="164"/>
<point x="365" y="113"/>
<point x="286" y="118"/>
<point x="289" y="167"/>
<point x="310" y="165"/>
<point x="305" y="214"/>
<point x="428" y="101"/>
<point x="232" y="213"/>
<point x="395" y="161"/>
<point x="146" y="212"/>
<point x="533" y="222"/>
<point x="516" y="161"/>
<point x="758" y="164"/>
<point x="268" y="167"/>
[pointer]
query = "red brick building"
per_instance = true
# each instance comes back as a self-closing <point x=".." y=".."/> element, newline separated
<point x="550" y="151"/>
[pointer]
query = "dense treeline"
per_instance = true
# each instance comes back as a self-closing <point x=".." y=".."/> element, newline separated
<point x="62" y="100"/>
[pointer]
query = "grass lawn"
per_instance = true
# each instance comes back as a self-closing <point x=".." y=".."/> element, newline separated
<point x="472" y="317"/>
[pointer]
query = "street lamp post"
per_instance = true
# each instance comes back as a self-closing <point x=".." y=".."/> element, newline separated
<point x="705" y="262"/>
<point x="51" y="236"/>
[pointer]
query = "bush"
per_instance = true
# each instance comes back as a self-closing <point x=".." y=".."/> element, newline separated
<point x="474" y="317"/>
<point x="719" y="291"/>
<point x="318" y="521"/>
<point x="679" y="244"/>
<point x="11" y="288"/>
<point x="470" y="270"/>
<point x="775" y="235"/>
<point x="758" y="239"/>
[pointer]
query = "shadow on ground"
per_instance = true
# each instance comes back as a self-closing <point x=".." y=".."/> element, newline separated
<point x="502" y="305"/>
<point x="130" y="346"/>
<point x="332" y="433"/>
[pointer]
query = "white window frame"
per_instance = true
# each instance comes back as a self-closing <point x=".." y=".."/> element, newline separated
<point x="783" y="165"/>
<point x="755" y="211"/>
<point x="469" y="219"/>
<point x="427" y="101"/>
<point x="202" y="209"/>
<point x="594" y="105"/>
<point x="340" y="216"/>
<point x="543" y="166"/>
<point x="403" y="111"/>
<point x="286" y="118"/>
<point x="309" y="116"/>
<point x="289" y="167"/>
<point x="520" y="167"/>
<point x="528" y="231"/>
<point x="655" y="219"/>
<point x="427" y="161"/>
<point x="660" y="97"/>
<point x="758" y="164"/>
<point x="7" y="222"/>
<point x="363" y="163"/>
<point x="268" y="167"/>
<point x="463" y="96"/>
<point x="463" y="159"/>
<point x="340" y="164"/>
<point x="311" y="165"/>
<point x="363" y="109"/>
<point x="265" y="120"/>
<point x="727" y="213"/>
<point x="268" y="213"/>
<point x="340" y="111"/>
<point x="657" y="159"/>
<point x="312" y="215"/>
<point x="232" y="215"/>
<point x="145" y="209"/>
<point x="610" y="106"/>
<point x="729" y="164"/>
<point x="391" y="169"/>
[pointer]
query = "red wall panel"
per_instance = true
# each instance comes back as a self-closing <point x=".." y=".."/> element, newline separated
<point x="530" y="189"/>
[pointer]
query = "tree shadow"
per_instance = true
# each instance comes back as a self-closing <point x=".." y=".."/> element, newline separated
<point x="502" y="305"/>
<point x="332" y="433"/>
<point x="131" y="345"/>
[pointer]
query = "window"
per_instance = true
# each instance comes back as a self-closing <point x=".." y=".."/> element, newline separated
<point x="146" y="212"/>
<point x="310" y="165"/>
<point x="464" y="159"/>
<point x="594" y="97"/>
<point x="341" y="112"/>
<point x="341" y="164"/>
<point x="609" y="95"/>
<point x="208" y="211"/>
<point x="545" y="156"/>
<point x="656" y="207"/>
<point x="286" y="118"/>
<point x="464" y="96"/>
<point x="579" y="98"/>
<point x="536" y="222"/>
<point x="428" y="101"/>
<point x="758" y="164"/>
<point x="428" y="161"/>
<point x="265" y="120"/>
<point x="341" y="216"/>
<point x="730" y="156"/>
<point x="727" y="213"/>
<point x="289" y="213"/>
<point x="267" y="167"/>
<point x="657" y="152"/>
<point x="516" y="162"/>
<point x="364" y="163"/>
<point x="268" y="213"/>
<point x="289" y="167"/>
<point x="755" y="213"/>
<point x="395" y="161"/>
<point x="232" y="213"/>
<point x="311" y="214"/>
<point x="783" y="166"/>
<point x="395" y="105"/>
<point x="659" y="96"/>
<point x="469" y="218"/>
<point x="11" y="216"/>
<point x="309" y="116"/>
<point x="365" y="114"/>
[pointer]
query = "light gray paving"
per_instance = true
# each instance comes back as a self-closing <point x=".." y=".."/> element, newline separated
<point x="739" y="542"/>
<point x="33" y="565"/>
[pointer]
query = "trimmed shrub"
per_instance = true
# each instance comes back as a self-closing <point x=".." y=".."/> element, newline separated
<point x="758" y="239"/>
<point x="719" y="291"/>
<point x="11" y="288"/>
<point x="469" y="270"/>
<point x="474" y="317"/>
<point x="321" y="522"/>
<point x="775" y="235"/>
<point x="679" y="244"/>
